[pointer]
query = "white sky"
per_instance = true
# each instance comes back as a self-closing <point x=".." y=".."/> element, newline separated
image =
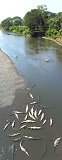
<point x="11" y="8"/>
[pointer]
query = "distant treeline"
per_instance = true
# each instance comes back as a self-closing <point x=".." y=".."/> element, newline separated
<point x="37" y="22"/>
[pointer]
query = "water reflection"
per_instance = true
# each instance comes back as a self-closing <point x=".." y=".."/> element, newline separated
<point x="36" y="45"/>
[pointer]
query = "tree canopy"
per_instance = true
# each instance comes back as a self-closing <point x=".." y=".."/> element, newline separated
<point x="6" y="23"/>
<point x="35" y="20"/>
<point x="16" y="20"/>
<point x="38" y="21"/>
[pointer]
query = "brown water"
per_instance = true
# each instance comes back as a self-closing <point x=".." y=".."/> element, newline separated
<point x="29" y="55"/>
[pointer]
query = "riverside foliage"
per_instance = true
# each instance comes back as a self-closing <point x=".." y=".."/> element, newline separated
<point x="37" y="22"/>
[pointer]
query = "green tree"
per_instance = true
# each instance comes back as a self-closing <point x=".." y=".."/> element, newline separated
<point x="6" y="23"/>
<point x="55" y="21"/>
<point x="16" y="21"/>
<point x="58" y="21"/>
<point x="34" y="21"/>
<point x="42" y="8"/>
<point x="51" y="23"/>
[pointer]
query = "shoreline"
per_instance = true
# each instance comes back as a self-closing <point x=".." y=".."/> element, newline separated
<point x="11" y="84"/>
<point x="12" y="63"/>
<point x="58" y="40"/>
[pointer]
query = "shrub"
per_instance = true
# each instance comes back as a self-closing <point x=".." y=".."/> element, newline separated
<point x="52" y="32"/>
<point x="26" y="32"/>
<point x="19" y="29"/>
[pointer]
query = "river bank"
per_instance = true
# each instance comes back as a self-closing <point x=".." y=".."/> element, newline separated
<point x="12" y="86"/>
<point x="57" y="40"/>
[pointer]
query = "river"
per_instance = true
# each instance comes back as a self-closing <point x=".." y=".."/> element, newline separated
<point x="29" y="56"/>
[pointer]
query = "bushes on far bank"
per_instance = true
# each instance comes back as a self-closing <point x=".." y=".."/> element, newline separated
<point x="23" y="30"/>
<point x="53" y="33"/>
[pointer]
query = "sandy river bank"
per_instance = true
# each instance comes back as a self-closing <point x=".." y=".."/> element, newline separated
<point x="57" y="40"/>
<point x="12" y="86"/>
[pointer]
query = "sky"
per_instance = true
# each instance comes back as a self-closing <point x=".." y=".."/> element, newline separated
<point x="11" y="8"/>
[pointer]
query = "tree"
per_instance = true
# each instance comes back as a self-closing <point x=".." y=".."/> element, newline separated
<point x="55" y="21"/>
<point x="34" y="21"/>
<point x="51" y="14"/>
<point x="58" y="21"/>
<point x="51" y="23"/>
<point x="42" y="8"/>
<point x="6" y="23"/>
<point x="16" y="21"/>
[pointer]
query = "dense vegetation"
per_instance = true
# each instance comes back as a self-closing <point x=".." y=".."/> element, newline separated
<point x="37" y="22"/>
